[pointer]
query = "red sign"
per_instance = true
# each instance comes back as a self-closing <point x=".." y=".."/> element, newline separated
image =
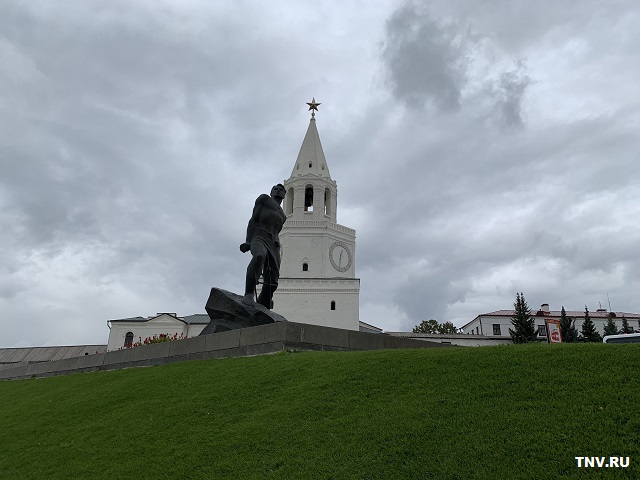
<point x="553" y="331"/>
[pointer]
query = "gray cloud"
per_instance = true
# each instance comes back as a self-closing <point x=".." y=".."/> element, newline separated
<point x="425" y="59"/>
<point x="510" y="91"/>
<point x="134" y="140"/>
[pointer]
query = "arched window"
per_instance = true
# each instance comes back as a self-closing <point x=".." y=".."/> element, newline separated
<point x="128" y="339"/>
<point x="305" y="267"/>
<point x="308" y="198"/>
<point x="333" y="304"/>
<point x="327" y="201"/>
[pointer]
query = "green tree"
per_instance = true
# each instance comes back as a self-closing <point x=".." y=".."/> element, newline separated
<point x="610" y="327"/>
<point x="524" y="326"/>
<point x="588" y="333"/>
<point x="432" y="326"/>
<point x="625" y="326"/>
<point x="427" y="326"/>
<point x="447" y="327"/>
<point x="567" y="327"/>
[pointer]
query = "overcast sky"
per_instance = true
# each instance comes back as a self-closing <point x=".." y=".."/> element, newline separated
<point x="480" y="149"/>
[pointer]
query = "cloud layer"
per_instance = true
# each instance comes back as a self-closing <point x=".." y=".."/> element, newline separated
<point x="478" y="152"/>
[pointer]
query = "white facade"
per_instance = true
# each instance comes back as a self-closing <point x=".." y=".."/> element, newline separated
<point x="498" y="323"/>
<point x="317" y="277"/>
<point x="163" y="323"/>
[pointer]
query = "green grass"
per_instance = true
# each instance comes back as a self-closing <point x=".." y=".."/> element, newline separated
<point x="517" y="411"/>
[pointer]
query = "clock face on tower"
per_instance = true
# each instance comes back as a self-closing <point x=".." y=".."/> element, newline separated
<point x="340" y="256"/>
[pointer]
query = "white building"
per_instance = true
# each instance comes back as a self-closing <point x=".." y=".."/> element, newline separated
<point x="317" y="277"/>
<point x="497" y="323"/>
<point x="127" y="331"/>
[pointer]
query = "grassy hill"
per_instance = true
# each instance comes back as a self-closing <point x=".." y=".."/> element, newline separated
<point x="517" y="411"/>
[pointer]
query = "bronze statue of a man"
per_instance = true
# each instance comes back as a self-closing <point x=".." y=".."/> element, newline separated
<point x="262" y="239"/>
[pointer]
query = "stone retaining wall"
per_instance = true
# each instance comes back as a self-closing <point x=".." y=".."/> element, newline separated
<point x="244" y="342"/>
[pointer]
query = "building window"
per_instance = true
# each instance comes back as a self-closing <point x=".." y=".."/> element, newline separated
<point x="542" y="331"/>
<point x="310" y="164"/>
<point x="308" y="198"/>
<point x="128" y="339"/>
<point x="496" y="329"/>
<point x="333" y="304"/>
<point x="305" y="267"/>
<point x="327" y="201"/>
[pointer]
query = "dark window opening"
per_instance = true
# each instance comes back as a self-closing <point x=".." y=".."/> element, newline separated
<point x="496" y="329"/>
<point x="308" y="199"/>
<point x="305" y="267"/>
<point x="333" y="304"/>
<point x="327" y="196"/>
<point x="128" y="339"/>
<point x="310" y="164"/>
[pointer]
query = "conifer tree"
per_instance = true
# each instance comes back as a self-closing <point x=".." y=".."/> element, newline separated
<point x="611" y="328"/>
<point x="524" y="330"/>
<point x="625" y="325"/>
<point x="588" y="332"/>
<point x="567" y="328"/>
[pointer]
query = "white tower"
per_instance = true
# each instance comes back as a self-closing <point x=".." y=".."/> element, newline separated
<point x="317" y="276"/>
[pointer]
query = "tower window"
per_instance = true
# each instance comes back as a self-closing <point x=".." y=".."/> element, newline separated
<point x="310" y="164"/>
<point x="333" y="304"/>
<point x="327" y="201"/>
<point x="128" y="339"/>
<point x="305" y="267"/>
<point x="308" y="198"/>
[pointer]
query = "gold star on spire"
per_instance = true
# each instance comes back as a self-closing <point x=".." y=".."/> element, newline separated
<point x="313" y="106"/>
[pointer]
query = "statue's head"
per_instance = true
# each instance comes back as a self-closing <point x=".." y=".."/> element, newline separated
<point x="278" y="191"/>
